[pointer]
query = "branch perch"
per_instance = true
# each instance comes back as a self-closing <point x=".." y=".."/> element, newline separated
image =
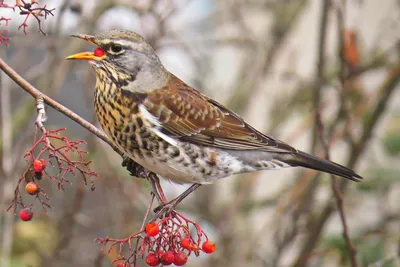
<point x="40" y="98"/>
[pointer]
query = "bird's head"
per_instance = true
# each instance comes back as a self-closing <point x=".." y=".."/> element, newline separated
<point x="125" y="58"/>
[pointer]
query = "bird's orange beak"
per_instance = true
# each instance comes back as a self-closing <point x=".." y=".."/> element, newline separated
<point x="96" y="55"/>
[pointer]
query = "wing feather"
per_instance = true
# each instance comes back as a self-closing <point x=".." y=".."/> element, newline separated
<point x="190" y="116"/>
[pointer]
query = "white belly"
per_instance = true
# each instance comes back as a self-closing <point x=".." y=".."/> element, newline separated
<point x="168" y="171"/>
<point x="184" y="169"/>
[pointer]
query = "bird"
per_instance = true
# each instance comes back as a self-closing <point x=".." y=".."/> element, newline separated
<point x="172" y="129"/>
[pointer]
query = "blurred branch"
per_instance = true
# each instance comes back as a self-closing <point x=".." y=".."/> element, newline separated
<point x="259" y="63"/>
<point x="7" y="165"/>
<point x="320" y="73"/>
<point x="53" y="82"/>
<point x="344" y="68"/>
<point x="386" y="90"/>
<point x="339" y="198"/>
<point x="54" y="104"/>
<point x="67" y="221"/>
<point x="142" y="173"/>
<point x="305" y="201"/>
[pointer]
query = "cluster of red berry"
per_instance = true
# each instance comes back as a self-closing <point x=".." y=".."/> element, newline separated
<point x="169" y="240"/>
<point x="177" y="255"/>
<point x="26" y="214"/>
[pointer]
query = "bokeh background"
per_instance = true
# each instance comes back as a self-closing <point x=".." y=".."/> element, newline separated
<point x="277" y="63"/>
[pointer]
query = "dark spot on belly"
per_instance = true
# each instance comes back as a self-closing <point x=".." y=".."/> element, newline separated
<point x="175" y="152"/>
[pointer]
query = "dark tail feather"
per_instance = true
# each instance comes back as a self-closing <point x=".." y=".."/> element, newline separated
<point x="309" y="161"/>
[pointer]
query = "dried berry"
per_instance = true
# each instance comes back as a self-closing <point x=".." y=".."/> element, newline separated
<point x="32" y="188"/>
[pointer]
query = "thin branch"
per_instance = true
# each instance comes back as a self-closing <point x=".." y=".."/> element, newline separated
<point x="339" y="198"/>
<point x="54" y="104"/>
<point x="67" y="112"/>
<point x="7" y="166"/>
<point x="386" y="90"/>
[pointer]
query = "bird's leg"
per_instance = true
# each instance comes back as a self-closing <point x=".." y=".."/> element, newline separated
<point x="157" y="189"/>
<point x="138" y="171"/>
<point x="167" y="208"/>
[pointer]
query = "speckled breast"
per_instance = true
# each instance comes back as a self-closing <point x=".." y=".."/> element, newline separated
<point x="121" y="120"/>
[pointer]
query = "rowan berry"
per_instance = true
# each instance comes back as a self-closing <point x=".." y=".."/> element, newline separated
<point x="186" y="243"/>
<point x="180" y="258"/>
<point x="152" y="229"/>
<point x="37" y="165"/>
<point x="26" y="214"/>
<point x="209" y="247"/>
<point x="32" y="188"/>
<point x="167" y="258"/>
<point x="152" y="259"/>
<point x="160" y="253"/>
<point x="99" y="52"/>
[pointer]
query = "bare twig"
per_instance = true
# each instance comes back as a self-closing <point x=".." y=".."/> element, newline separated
<point x="54" y="104"/>
<point x="67" y="112"/>
<point x="339" y="199"/>
<point x="7" y="165"/>
<point x="386" y="90"/>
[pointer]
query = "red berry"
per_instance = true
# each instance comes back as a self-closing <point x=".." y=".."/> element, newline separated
<point x="121" y="265"/>
<point x="26" y="214"/>
<point x="167" y="258"/>
<point x="152" y="229"/>
<point x="98" y="52"/>
<point x="43" y="164"/>
<point x="186" y="243"/>
<point x="37" y="165"/>
<point x="32" y="188"/>
<point x="180" y="258"/>
<point x="160" y="253"/>
<point x="152" y="259"/>
<point x="209" y="247"/>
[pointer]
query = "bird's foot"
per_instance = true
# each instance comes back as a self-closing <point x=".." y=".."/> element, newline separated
<point x="134" y="168"/>
<point x="166" y="209"/>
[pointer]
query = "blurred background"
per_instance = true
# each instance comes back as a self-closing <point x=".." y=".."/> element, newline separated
<point x="277" y="63"/>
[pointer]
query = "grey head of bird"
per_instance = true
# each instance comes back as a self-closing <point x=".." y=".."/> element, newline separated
<point x="126" y="59"/>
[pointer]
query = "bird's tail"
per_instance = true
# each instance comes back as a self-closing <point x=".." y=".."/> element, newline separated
<point x="303" y="159"/>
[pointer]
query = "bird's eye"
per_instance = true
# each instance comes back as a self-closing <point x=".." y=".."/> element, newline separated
<point x="116" y="48"/>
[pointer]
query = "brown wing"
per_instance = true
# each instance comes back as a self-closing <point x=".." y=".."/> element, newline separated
<point x="188" y="115"/>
